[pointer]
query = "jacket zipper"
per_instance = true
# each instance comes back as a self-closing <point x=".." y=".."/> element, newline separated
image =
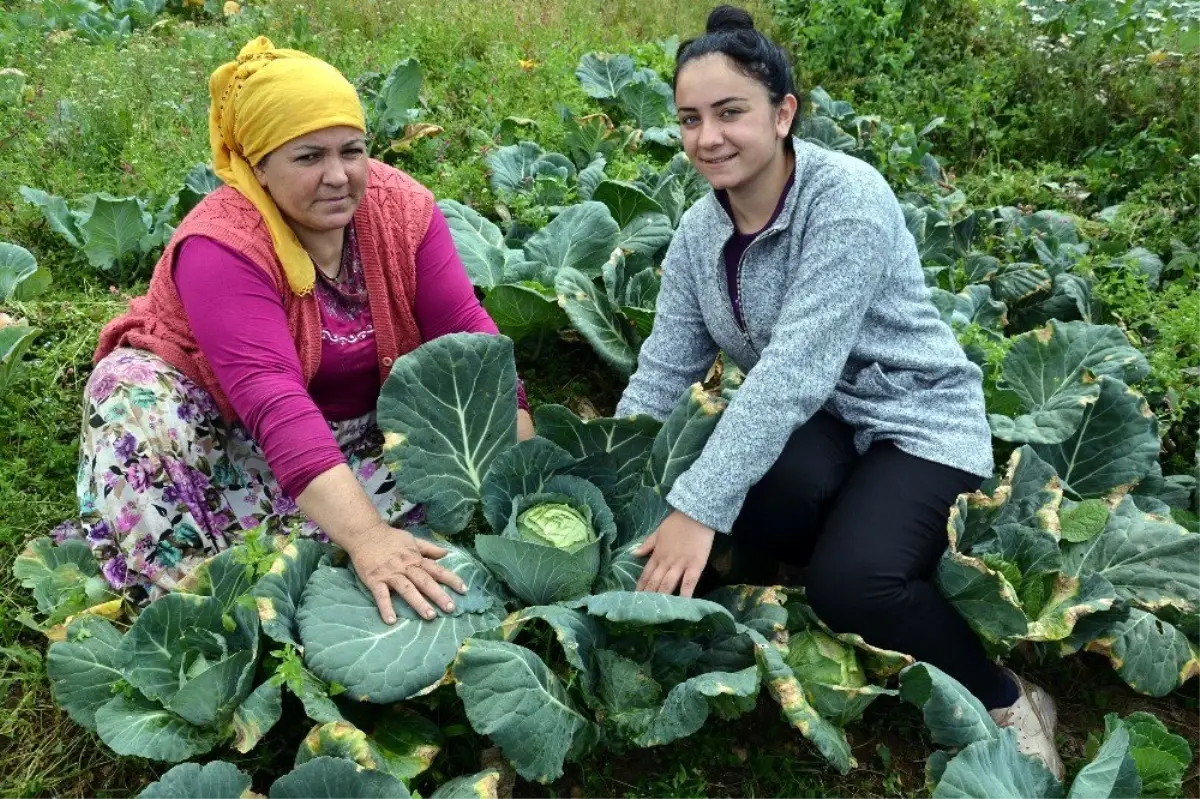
<point x="740" y="315"/>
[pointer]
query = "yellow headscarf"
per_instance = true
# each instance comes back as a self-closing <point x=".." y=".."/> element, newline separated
<point x="264" y="99"/>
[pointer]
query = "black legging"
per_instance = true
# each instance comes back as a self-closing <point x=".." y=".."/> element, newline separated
<point x="870" y="530"/>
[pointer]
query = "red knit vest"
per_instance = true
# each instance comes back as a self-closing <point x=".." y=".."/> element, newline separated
<point x="391" y="221"/>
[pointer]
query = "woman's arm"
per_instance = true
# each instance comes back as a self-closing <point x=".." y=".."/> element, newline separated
<point x="240" y="324"/>
<point x="238" y="319"/>
<point x="842" y="264"/>
<point x="679" y="350"/>
<point x="446" y="301"/>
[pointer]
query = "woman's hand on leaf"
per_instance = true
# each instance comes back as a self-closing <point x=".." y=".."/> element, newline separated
<point x="390" y="560"/>
<point x="678" y="551"/>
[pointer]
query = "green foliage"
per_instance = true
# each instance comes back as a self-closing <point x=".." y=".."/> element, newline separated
<point x="638" y="96"/>
<point x="880" y="28"/>
<point x="179" y="682"/>
<point x="1114" y="590"/>
<point x="65" y="579"/>
<point x="988" y="764"/>
<point x="121" y="237"/>
<point x="1161" y="757"/>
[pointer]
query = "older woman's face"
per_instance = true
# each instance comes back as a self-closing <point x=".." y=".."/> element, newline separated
<point x="317" y="180"/>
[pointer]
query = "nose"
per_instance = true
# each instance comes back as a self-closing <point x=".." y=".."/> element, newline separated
<point x="335" y="173"/>
<point x="711" y="136"/>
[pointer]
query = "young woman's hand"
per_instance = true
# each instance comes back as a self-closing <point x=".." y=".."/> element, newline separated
<point x="388" y="559"/>
<point x="678" y="552"/>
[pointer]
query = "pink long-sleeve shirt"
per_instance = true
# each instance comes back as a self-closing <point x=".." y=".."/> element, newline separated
<point x="239" y="322"/>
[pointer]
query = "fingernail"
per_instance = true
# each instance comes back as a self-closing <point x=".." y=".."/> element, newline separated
<point x="429" y="614"/>
<point x="391" y="619"/>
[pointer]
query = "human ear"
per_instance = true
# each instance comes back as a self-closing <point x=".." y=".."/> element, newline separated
<point x="785" y="115"/>
<point x="260" y="170"/>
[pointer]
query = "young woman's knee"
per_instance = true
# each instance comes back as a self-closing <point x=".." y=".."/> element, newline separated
<point x="851" y="598"/>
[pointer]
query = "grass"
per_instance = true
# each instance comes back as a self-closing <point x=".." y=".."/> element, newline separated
<point x="133" y="120"/>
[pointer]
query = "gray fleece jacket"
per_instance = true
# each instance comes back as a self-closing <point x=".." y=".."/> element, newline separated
<point x="837" y="316"/>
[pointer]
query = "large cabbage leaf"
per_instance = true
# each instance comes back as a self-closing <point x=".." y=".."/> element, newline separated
<point x="682" y="437"/>
<point x="479" y="243"/>
<point x="447" y="410"/>
<point x="345" y="640"/>
<point x="257" y="714"/>
<point x="995" y="769"/>
<point x="136" y="726"/>
<point x="336" y="778"/>
<point x="484" y="785"/>
<point x="402" y="744"/>
<point x="628" y="440"/>
<point x="580" y="238"/>
<point x="1116" y="443"/>
<point x="602" y="76"/>
<point x="216" y="780"/>
<point x="20" y="277"/>
<point x="523" y="309"/>
<point x="82" y="668"/>
<point x="278" y="592"/>
<point x="1052" y="371"/>
<point x="1113" y="773"/>
<point x="112" y="228"/>
<point x="511" y="696"/>
<point x="597" y="319"/>
<point x="15" y="341"/>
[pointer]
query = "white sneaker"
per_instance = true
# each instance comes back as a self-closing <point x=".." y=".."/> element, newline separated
<point x="1033" y="717"/>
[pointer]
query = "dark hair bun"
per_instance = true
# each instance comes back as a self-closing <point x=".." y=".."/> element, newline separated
<point x="729" y="18"/>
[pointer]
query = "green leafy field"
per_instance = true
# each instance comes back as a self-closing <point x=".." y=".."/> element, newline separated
<point x="1046" y="158"/>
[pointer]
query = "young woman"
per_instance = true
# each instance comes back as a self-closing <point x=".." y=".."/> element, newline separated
<point x="241" y="389"/>
<point x="860" y="420"/>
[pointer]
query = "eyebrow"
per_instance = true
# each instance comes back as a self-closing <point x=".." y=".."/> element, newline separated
<point x="316" y="148"/>
<point x="718" y="103"/>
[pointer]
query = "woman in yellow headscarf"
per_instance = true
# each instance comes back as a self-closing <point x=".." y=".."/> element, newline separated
<point x="240" y="389"/>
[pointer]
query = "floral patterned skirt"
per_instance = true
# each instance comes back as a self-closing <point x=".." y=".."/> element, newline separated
<point x="164" y="482"/>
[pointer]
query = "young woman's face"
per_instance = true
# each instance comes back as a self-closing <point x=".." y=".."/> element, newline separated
<point x="731" y="131"/>
<point x="317" y="180"/>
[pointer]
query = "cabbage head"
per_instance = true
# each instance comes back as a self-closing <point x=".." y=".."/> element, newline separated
<point x="819" y="657"/>
<point x="558" y="525"/>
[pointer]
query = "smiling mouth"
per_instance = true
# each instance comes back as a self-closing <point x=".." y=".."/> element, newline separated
<point x="718" y="161"/>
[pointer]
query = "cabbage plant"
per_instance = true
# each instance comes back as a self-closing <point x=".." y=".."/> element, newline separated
<point x="1026" y="563"/>
<point x="21" y="280"/>
<point x="121" y="236"/>
<point x="1138" y="755"/>
<point x="455" y="451"/>
<point x="543" y="532"/>
<point x="594" y="266"/>
<point x="181" y="679"/>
